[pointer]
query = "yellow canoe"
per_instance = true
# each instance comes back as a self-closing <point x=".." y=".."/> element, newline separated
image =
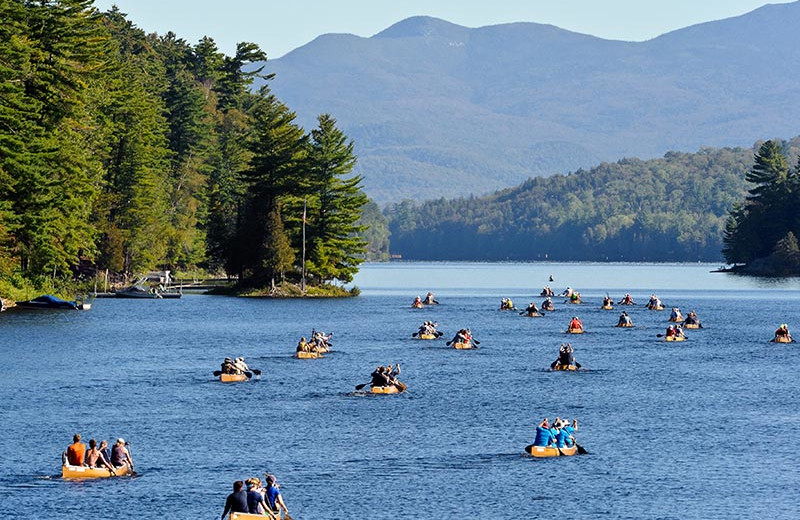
<point x="533" y="315"/>
<point x="781" y="339"/>
<point x="417" y="306"/>
<point x="68" y="471"/>
<point x="565" y="367"/>
<point x="625" y="325"/>
<point x="652" y="308"/>
<point x="307" y="355"/>
<point x="575" y="302"/>
<point x="551" y="451"/>
<point x="385" y="390"/>
<point x="607" y="307"/>
<point x="575" y="331"/>
<point x="427" y="336"/>
<point x="251" y="516"/>
<point x="232" y="378"/>
<point x="691" y="325"/>
<point x="675" y="320"/>
<point x="463" y="346"/>
<point x="675" y="338"/>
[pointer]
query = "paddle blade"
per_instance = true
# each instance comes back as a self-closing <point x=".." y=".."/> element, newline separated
<point x="581" y="449"/>
<point x="476" y="341"/>
<point x="414" y="334"/>
<point x="217" y="373"/>
<point x="248" y="374"/>
<point x="359" y="387"/>
<point x="257" y="371"/>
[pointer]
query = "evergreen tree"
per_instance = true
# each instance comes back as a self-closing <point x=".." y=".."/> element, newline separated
<point x="277" y="148"/>
<point x="335" y="203"/>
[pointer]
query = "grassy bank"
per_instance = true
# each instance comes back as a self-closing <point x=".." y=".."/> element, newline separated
<point x="288" y="290"/>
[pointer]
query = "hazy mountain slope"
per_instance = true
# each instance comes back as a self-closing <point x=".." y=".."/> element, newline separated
<point x="439" y="109"/>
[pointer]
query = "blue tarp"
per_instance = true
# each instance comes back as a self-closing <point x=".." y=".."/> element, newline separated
<point x="49" y="301"/>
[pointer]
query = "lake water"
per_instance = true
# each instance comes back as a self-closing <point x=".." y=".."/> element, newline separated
<point x="702" y="429"/>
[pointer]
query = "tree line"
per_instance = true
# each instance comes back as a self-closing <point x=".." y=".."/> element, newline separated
<point x="126" y="150"/>
<point x="674" y="208"/>
<point x="762" y="229"/>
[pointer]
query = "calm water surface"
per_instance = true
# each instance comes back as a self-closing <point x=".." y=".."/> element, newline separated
<point x="707" y="428"/>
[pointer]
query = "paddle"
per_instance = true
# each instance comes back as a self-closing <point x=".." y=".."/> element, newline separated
<point x="359" y="387"/>
<point x="581" y="449"/>
<point x="217" y="373"/>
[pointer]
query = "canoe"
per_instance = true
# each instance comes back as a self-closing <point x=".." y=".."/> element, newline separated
<point x="251" y="516"/>
<point x="427" y="336"/>
<point x="463" y="346"/>
<point x="575" y="331"/>
<point x="575" y="302"/>
<point x="551" y="308"/>
<point x="565" y="367"/>
<point x="625" y="325"/>
<point x="68" y="471"/>
<point x="676" y="320"/>
<point x="781" y="339"/>
<point x="417" y="306"/>
<point x="533" y="315"/>
<point x="385" y="390"/>
<point x="550" y="451"/>
<point x="691" y="325"/>
<point x="232" y="378"/>
<point x="607" y="307"/>
<point x="652" y="308"/>
<point x="308" y="355"/>
<point x="675" y="338"/>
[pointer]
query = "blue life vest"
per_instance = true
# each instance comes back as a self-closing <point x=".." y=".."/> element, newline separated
<point x="543" y="437"/>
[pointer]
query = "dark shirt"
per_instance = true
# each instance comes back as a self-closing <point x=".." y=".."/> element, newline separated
<point x="254" y="499"/>
<point x="118" y="455"/>
<point x="379" y="379"/>
<point x="236" y="503"/>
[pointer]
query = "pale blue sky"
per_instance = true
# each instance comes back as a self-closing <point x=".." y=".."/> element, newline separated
<point x="279" y="26"/>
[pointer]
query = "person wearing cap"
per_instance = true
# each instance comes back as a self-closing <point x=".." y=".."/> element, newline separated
<point x="691" y="319"/>
<point x="430" y="300"/>
<point x="417" y="303"/>
<point x="626" y="300"/>
<point x="565" y="437"/>
<point x="255" y="498"/>
<point x="240" y="366"/>
<point x="228" y="367"/>
<point x="76" y="451"/>
<point x="273" y="496"/>
<point x="547" y="304"/>
<point x="675" y="315"/>
<point x="120" y="456"/>
<point x="544" y="437"/>
<point x="236" y="501"/>
<point x="567" y="292"/>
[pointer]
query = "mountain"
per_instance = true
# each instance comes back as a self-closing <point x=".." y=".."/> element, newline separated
<point x="672" y="208"/>
<point x="437" y="109"/>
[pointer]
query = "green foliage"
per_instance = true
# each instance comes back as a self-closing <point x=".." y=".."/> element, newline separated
<point x="668" y="209"/>
<point x="376" y="233"/>
<point x="766" y="223"/>
<point x="130" y="151"/>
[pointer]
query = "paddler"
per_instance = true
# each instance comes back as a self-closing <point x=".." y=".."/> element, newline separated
<point x="624" y="320"/>
<point x="236" y="501"/>
<point x="532" y="310"/>
<point x="417" y="303"/>
<point x="379" y="377"/>
<point x="575" y="324"/>
<point x="626" y="300"/>
<point x="302" y="345"/>
<point x="547" y="304"/>
<point x="96" y="458"/>
<point x="691" y="319"/>
<point x="76" y="451"/>
<point x="783" y="332"/>
<point x="429" y="299"/>
<point x="544" y="437"/>
<point x="273" y="497"/>
<point x="675" y="315"/>
<point x="120" y="456"/>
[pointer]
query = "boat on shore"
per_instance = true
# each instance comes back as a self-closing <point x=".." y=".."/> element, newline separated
<point x="68" y="471"/>
<point x="550" y="451"/>
<point x="48" y="301"/>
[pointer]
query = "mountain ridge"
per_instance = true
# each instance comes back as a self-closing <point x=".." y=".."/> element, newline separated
<point x="438" y="109"/>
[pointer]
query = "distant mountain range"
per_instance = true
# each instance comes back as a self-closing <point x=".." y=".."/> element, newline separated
<point x="438" y="109"/>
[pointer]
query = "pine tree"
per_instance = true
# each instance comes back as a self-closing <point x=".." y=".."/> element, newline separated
<point x="335" y="201"/>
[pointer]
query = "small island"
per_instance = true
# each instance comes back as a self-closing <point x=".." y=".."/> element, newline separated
<point x="761" y="232"/>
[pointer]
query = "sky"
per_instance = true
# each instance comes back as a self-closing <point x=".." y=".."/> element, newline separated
<point x="279" y="26"/>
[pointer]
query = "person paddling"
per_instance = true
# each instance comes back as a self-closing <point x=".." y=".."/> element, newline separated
<point x="544" y="436"/>
<point x="691" y="319"/>
<point x="96" y="458"/>
<point x="531" y="311"/>
<point x="624" y="320"/>
<point x="76" y="451"/>
<point x="236" y="501"/>
<point x="575" y="324"/>
<point x="626" y="300"/>
<point x="566" y="358"/>
<point x="782" y="334"/>
<point x="547" y="305"/>
<point x="417" y="304"/>
<point x="120" y="455"/>
<point x="429" y="299"/>
<point x="273" y="497"/>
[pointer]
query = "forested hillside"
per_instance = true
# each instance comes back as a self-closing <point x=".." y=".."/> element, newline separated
<point x="127" y="151"/>
<point x="441" y="110"/>
<point x="669" y="209"/>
